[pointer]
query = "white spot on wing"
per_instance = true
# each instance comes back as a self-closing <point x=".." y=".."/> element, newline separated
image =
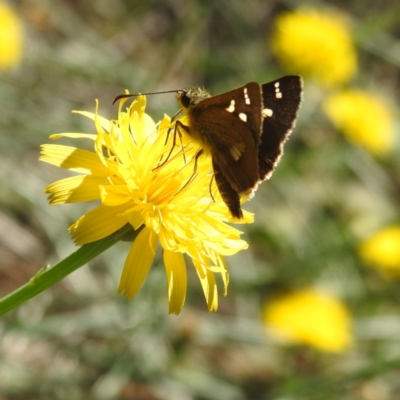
<point x="278" y="93"/>
<point x="231" y="107"/>
<point x="246" y="97"/>
<point x="267" y="112"/>
<point x="243" y="117"/>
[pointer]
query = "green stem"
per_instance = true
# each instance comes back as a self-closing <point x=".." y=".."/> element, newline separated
<point x="47" y="277"/>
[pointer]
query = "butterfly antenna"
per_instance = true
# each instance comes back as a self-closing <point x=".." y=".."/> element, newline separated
<point x="125" y="96"/>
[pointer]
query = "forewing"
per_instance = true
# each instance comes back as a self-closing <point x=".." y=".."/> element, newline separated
<point x="281" y="102"/>
<point x="230" y="125"/>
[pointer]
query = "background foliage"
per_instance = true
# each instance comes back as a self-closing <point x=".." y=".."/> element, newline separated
<point x="80" y="339"/>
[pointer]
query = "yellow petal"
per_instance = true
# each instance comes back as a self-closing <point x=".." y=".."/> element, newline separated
<point x="103" y="122"/>
<point x="73" y="159"/>
<point x="228" y="247"/>
<point x="134" y="216"/>
<point x="177" y="280"/>
<point x="75" y="189"/>
<point x="221" y="269"/>
<point x="98" y="224"/>
<point x="138" y="262"/>
<point x="114" y="195"/>
<point x="73" y="136"/>
<point x="209" y="285"/>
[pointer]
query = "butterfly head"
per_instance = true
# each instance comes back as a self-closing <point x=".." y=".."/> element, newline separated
<point x="188" y="98"/>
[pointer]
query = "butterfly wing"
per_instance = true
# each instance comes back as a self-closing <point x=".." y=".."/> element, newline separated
<point x="244" y="131"/>
<point x="281" y="102"/>
<point x="230" y="196"/>
<point x="229" y="126"/>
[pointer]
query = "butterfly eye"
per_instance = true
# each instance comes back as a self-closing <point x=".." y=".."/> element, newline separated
<point x="185" y="100"/>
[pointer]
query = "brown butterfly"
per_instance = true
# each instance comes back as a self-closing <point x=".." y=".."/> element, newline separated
<point x="243" y="130"/>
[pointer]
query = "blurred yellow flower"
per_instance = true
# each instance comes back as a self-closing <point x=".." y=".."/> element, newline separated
<point x="312" y="318"/>
<point x="10" y="38"/>
<point x="315" y="44"/>
<point x="382" y="251"/>
<point x="126" y="175"/>
<point x="365" y="120"/>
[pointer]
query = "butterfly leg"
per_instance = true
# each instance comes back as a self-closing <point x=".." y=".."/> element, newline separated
<point x="210" y="188"/>
<point x="196" y="157"/>
<point x="178" y="125"/>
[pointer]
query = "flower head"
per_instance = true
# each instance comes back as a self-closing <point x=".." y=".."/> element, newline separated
<point x="364" y="119"/>
<point x="381" y="251"/>
<point x="142" y="179"/>
<point x="310" y="317"/>
<point x="315" y="44"/>
<point x="10" y="38"/>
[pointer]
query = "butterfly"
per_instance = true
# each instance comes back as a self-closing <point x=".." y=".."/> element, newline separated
<point x="243" y="130"/>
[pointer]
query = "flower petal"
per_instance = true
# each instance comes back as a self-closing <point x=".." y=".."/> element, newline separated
<point x="220" y="268"/>
<point x="73" y="159"/>
<point x="177" y="280"/>
<point x="98" y="224"/>
<point x="207" y="279"/>
<point x="75" y="189"/>
<point x="103" y="122"/>
<point x="138" y="262"/>
<point x="134" y="216"/>
<point x="72" y="135"/>
<point x="114" y="195"/>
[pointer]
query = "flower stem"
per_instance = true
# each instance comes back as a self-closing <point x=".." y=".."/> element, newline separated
<point x="47" y="277"/>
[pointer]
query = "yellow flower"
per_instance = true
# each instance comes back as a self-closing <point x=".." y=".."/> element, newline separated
<point x="315" y="44"/>
<point x="382" y="251"/>
<point x="310" y="317"/>
<point x="10" y="38"/>
<point x="141" y="182"/>
<point x="365" y="120"/>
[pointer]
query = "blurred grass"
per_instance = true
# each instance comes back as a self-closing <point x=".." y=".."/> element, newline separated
<point x="80" y="340"/>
